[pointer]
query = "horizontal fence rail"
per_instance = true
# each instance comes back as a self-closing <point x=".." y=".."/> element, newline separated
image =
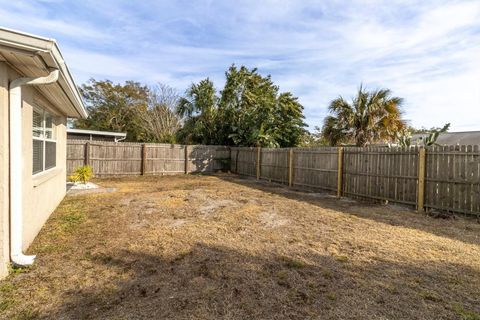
<point x="244" y="161"/>
<point x="389" y="174"/>
<point x="452" y="180"/>
<point x="440" y="178"/>
<point x="125" y="158"/>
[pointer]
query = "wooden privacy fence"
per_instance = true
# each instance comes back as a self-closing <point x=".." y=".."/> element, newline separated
<point x="111" y="159"/>
<point x="443" y="178"/>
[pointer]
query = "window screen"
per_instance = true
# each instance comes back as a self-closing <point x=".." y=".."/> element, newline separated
<point x="44" y="146"/>
<point x="37" y="156"/>
<point x="37" y="123"/>
<point x="50" y="154"/>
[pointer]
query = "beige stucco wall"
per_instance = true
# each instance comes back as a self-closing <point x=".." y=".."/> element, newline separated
<point x="4" y="204"/>
<point x="42" y="192"/>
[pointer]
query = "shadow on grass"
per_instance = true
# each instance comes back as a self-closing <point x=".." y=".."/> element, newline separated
<point x="90" y="279"/>
<point x="465" y="229"/>
<point x="211" y="282"/>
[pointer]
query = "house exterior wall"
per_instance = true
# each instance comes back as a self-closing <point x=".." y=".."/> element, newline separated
<point x="50" y="184"/>
<point x="41" y="192"/>
<point x="4" y="167"/>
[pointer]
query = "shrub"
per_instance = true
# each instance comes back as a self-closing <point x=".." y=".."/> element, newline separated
<point x="83" y="174"/>
<point x="224" y="163"/>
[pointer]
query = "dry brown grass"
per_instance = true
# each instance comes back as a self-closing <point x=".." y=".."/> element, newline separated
<point x="220" y="247"/>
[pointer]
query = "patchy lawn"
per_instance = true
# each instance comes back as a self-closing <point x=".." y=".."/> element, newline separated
<point x="221" y="247"/>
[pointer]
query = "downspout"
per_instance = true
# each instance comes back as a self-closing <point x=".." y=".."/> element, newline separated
<point x="16" y="166"/>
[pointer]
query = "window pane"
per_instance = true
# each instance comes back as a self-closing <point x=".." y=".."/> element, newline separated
<point x="48" y="126"/>
<point x="37" y="156"/>
<point x="49" y="134"/>
<point x="48" y="120"/>
<point x="50" y="154"/>
<point x="37" y="133"/>
<point x="37" y="124"/>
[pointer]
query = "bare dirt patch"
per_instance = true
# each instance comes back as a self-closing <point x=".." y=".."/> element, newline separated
<point x="271" y="219"/>
<point x="221" y="247"/>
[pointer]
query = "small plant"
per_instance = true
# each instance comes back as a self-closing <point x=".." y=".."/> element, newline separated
<point x="82" y="174"/>
<point x="466" y="314"/>
<point x="327" y="274"/>
<point x="18" y="269"/>
<point x="430" y="295"/>
<point x="432" y="137"/>
<point x="70" y="221"/>
<point x="224" y="163"/>
<point x="404" y="139"/>
<point x="331" y="296"/>
<point x="6" y="304"/>
<point x="6" y="287"/>
<point x="293" y="263"/>
<point x="282" y="278"/>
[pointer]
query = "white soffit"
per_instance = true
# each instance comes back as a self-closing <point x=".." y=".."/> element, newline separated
<point x="34" y="56"/>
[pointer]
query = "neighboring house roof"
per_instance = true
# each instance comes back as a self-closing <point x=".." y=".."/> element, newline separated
<point x="34" y="56"/>
<point x="99" y="133"/>
<point x="453" y="138"/>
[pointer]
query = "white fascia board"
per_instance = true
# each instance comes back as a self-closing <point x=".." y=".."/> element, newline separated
<point x="100" y="133"/>
<point x="49" y="51"/>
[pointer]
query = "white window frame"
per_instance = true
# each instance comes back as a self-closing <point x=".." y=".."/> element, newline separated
<point x="43" y="138"/>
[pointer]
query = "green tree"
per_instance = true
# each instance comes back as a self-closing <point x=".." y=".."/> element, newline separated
<point x="370" y="117"/>
<point x="116" y="107"/>
<point x="247" y="108"/>
<point x="250" y="111"/>
<point x="200" y="112"/>
<point x="313" y="139"/>
<point x="288" y="123"/>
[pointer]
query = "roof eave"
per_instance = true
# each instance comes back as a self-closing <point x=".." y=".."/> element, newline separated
<point x="49" y="51"/>
<point x="96" y="132"/>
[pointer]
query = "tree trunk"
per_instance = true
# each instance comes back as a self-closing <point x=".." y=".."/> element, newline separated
<point x="361" y="140"/>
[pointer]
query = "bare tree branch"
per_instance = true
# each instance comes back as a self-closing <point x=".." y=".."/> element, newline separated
<point x="160" y="118"/>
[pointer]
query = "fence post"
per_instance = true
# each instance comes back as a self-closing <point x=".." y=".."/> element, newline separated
<point x="186" y="159"/>
<point x="340" y="172"/>
<point x="421" y="180"/>
<point x="236" y="162"/>
<point x="290" y="167"/>
<point x="144" y="158"/>
<point x="87" y="153"/>
<point x="259" y="158"/>
<point x="229" y="159"/>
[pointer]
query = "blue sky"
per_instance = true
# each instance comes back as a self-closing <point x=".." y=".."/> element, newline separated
<point x="427" y="52"/>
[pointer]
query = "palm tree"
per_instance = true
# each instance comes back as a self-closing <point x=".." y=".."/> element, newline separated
<point x="372" y="116"/>
<point x="199" y="110"/>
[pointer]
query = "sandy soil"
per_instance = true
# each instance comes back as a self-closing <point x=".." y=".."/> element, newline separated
<point x="222" y="247"/>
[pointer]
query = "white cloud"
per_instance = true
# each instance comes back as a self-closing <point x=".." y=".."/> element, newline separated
<point x="28" y="21"/>
<point x="426" y="52"/>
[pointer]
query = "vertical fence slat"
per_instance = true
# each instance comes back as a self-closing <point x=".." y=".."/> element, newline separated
<point x="476" y="179"/>
<point x="450" y="175"/>
<point x="185" y="159"/>
<point x="339" y="172"/>
<point x="290" y="167"/>
<point x="144" y="159"/>
<point x="421" y="180"/>
<point x="259" y="159"/>
<point x="87" y="153"/>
